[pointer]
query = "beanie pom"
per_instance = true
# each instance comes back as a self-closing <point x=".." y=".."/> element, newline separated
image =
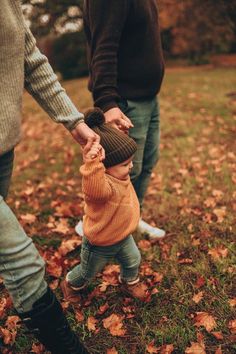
<point x="94" y="117"/>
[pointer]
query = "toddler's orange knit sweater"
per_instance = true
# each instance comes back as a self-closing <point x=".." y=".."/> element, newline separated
<point x="111" y="205"/>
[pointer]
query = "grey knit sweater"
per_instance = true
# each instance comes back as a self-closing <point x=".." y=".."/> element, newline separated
<point x="23" y="66"/>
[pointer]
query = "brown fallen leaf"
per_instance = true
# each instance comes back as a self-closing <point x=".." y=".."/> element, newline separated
<point x="205" y="320"/>
<point x="198" y="297"/>
<point x="114" y="324"/>
<point x="196" y="348"/>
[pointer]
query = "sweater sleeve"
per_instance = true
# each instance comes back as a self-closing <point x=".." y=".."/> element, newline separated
<point x="95" y="183"/>
<point x="42" y="83"/>
<point x="105" y="21"/>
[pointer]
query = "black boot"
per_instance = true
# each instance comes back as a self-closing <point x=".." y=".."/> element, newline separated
<point x="49" y="325"/>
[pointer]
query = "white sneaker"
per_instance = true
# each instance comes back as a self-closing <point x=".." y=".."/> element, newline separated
<point x="79" y="228"/>
<point x="154" y="233"/>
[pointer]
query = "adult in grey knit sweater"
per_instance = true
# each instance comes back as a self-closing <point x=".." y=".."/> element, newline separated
<point x="21" y="267"/>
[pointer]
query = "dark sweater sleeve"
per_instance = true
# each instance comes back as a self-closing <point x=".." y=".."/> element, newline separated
<point x="105" y="21"/>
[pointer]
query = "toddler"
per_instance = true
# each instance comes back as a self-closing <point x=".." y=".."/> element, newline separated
<point x="111" y="207"/>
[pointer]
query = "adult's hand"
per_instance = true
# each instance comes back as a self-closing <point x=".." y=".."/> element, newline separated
<point x="83" y="134"/>
<point x="118" y="119"/>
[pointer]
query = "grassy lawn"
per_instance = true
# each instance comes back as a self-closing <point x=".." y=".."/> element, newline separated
<point x="190" y="298"/>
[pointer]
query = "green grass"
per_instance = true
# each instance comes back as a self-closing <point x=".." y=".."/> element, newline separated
<point x="197" y="160"/>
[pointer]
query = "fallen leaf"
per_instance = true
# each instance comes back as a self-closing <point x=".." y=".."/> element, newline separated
<point x="218" y="350"/>
<point x="157" y="277"/>
<point x="79" y="316"/>
<point x="114" y="324"/>
<point x="196" y="348"/>
<point x="69" y="245"/>
<point x="217" y="335"/>
<point x="220" y="213"/>
<point x="37" y="348"/>
<point x="103" y="308"/>
<point x="218" y="252"/>
<point x="151" y="348"/>
<point x="198" y="297"/>
<point x="112" y="351"/>
<point x="232" y="302"/>
<point x="28" y="218"/>
<point x="91" y="323"/>
<point x="205" y="320"/>
<point x="232" y="326"/>
<point x="200" y="282"/>
<point x="167" y="349"/>
<point x="144" y="245"/>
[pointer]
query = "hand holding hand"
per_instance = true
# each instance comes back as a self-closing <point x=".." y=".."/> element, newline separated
<point x="118" y="119"/>
<point x="82" y="134"/>
<point x="91" y="150"/>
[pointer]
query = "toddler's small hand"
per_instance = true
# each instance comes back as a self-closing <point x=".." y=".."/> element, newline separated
<point x="91" y="150"/>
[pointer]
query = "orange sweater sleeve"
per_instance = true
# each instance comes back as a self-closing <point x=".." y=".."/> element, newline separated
<point x="95" y="184"/>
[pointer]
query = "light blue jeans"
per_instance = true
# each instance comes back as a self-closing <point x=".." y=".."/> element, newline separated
<point x="94" y="258"/>
<point x="21" y="266"/>
<point x="145" y="116"/>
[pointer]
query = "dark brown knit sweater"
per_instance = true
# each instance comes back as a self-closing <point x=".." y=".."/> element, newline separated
<point x="124" y="50"/>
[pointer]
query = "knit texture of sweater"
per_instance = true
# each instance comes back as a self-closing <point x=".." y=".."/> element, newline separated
<point x="23" y="66"/>
<point x="112" y="209"/>
<point x="124" y="50"/>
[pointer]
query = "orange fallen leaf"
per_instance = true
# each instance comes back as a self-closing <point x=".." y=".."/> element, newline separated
<point x="151" y="348"/>
<point x="217" y="335"/>
<point x="144" y="245"/>
<point x="112" y="351"/>
<point x="196" y="348"/>
<point x="218" y="252"/>
<point x="220" y="213"/>
<point x="198" y="297"/>
<point x="232" y="302"/>
<point x="103" y="308"/>
<point x="157" y="277"/>
<point x="28" y="218"/>
<point x="62" y="227"/>
<point x="218" y="350"/>
<point x="232" y="326"/>
<point x="79" y="316"/>
<point x="91" y="323"/>
<point x="167" y="349"/>
<point x="114" y="324"/>
<point x="37" y="348"/>
<point x="69" y="245"/>
<point x="205" y="320"/>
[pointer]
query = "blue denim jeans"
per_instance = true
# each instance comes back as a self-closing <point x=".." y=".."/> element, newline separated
<point x="145" y="116"/>
<point x="94" y="259"/>
<point x="21" y="266"/>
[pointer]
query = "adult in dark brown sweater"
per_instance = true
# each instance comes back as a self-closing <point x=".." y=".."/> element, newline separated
<point x="126" y="71"/>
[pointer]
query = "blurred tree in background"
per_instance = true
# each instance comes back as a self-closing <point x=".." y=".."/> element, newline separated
<point x="198" y="28"/>
<point x="58" y="26"/>
<point x="192" y="29"/>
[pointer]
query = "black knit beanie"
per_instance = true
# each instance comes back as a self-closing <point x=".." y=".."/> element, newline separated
<point x="118" y="146"/>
